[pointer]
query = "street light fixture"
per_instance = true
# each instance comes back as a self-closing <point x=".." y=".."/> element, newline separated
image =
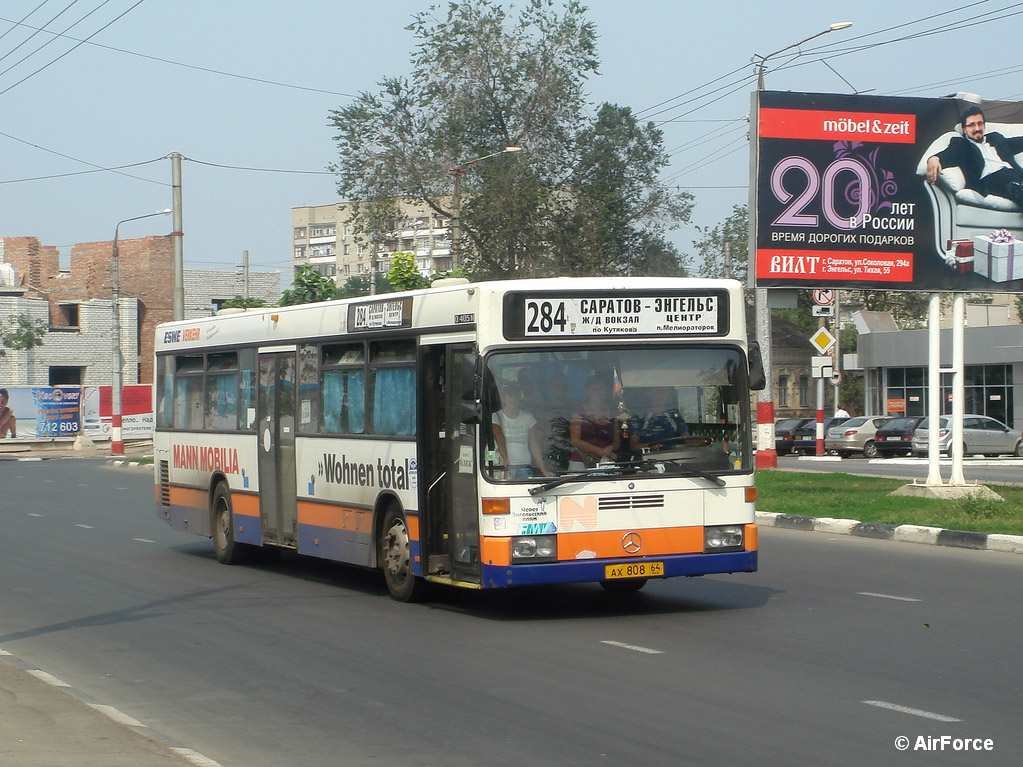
<point x="838" y="25"/>
<point x="456" y="201"/>
<point x="767" y="455"/>
<point x="116" y="439"/>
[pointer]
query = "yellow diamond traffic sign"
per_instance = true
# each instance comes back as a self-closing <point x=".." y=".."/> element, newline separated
<point x="822" y="340"/>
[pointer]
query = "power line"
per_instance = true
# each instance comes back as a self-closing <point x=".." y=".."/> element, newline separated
<point x="208" y="70"/>
<point x="77" y="159"/>
<point x="86" y="172"/>
<point x="73" y="48"/>
<point x="260" y="170"/>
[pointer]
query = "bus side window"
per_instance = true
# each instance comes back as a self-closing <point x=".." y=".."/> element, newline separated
<point x="393" y="382"/>
<point x="342" y="389"/>
<point x="221" y="411"/>
<point x="165" y="392"/>
<point x="308" y="389"/>
<point x="188" y="392"/>
<point x="247" y="401"/>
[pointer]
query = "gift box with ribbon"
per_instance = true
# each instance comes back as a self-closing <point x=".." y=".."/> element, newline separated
<point x="959" y="256"/>
<point x="998" y="256"/>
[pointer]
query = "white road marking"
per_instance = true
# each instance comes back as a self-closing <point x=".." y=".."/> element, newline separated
<point x="118" y="716"/>
<point x="143" y="540"/>
<point x="31" y="514"/>
<point x="48" y="678"/>
<point x="87" y="527"/>
<point x="887" y="596"/>
<point x="911" y="711"/>
<point x="634" y="648"/>
<point x="195" y="757"/>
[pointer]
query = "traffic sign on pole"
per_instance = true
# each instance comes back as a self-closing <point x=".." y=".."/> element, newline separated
<point x="822" y="340"/>
<point x="823" y="296"/>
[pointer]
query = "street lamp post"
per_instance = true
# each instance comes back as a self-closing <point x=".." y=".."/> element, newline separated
<point x="456" y="202"/>
<point x="767" y="454"/>
<point x="116" y="439"/>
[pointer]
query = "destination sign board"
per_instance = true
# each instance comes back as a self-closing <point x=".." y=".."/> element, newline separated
<point x="692" y="313"/>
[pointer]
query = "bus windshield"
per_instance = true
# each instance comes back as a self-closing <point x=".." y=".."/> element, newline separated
<point x="660" y="409"/>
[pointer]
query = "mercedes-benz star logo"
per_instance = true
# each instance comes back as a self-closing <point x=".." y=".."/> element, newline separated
<point x="631" y="542"/>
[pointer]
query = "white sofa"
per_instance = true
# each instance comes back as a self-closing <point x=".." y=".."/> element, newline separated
<point x="961" y="213"/>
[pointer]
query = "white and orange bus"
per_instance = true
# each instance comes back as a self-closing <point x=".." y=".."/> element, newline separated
<point x="480" y="435"/>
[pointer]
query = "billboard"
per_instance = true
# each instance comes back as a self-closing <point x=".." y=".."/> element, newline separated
<point x="137" y="418"/>
<point x="843" y="199"/>
<point x="39" y="411"/>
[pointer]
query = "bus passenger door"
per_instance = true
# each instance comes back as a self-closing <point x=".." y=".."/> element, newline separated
<point x="277" y="488"/>
<point x="448" y="456"/>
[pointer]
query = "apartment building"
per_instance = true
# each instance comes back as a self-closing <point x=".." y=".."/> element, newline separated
<point x="323" y="236"/>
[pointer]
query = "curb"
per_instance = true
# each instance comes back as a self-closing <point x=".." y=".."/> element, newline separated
<point x="934" y="536"/>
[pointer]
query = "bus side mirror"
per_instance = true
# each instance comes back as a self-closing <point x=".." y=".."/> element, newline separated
<point x="471" y="375"/>
<point x="757" y="379"/>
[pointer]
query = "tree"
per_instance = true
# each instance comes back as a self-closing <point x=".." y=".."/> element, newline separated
<point x="22" y="333"/>
<point x="404" y="274"/>
<point x="243" y="303"/>
<point x="733" y="232"/>
<point x="309" y="287"/>
<point x="480" y="82"/>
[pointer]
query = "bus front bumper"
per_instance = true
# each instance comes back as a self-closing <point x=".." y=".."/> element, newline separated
<point x="590" y="570"/>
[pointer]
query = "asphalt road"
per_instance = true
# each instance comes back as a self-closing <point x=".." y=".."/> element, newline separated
<point x="1003" y="470"/>
<point x="838" y="646"/>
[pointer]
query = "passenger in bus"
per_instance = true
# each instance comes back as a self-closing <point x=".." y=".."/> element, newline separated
<point x="594" y="429"/>
<point x="8" y="423"/>
<point x="516" y="437"/>
<point x="552" y="424"/>
<point x="663" y="423"/>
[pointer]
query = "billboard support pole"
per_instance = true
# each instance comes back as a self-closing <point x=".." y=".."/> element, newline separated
<point x="933" y="387"/>
<point x="958" y="387"/>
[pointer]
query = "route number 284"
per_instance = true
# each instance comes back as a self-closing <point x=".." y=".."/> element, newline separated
<point x="544" y="316"/>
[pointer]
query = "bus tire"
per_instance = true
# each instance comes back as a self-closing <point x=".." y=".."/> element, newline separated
<point x="395" y="549"/>
<point x="624" y="586"/>
<point x="227" y="549"/>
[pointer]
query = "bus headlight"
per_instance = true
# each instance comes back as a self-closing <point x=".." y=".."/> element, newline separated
<point x="722" y="538"/>
<point x="534" y="548"/>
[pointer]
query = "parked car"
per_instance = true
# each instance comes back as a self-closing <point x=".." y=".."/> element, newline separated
<point x="855" y="436"/>
<point x="785" y="434"/>
<point x="981" y="436"/>
<point x="896" y="436"/>
<point x="806" y="435"/>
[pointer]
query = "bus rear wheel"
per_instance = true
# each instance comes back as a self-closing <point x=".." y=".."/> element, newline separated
<point x="396" y="559"/>
<point x="228" y="550"/>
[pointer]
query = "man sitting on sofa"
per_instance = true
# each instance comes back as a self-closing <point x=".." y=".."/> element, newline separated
<point x="988" y="162"/>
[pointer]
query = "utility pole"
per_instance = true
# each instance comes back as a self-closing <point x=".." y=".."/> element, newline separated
<point x="728" y="259"/>
<point x="245" y="275"/>
<point x="178" y="300"/>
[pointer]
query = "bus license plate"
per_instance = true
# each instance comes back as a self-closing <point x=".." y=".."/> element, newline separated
<point x="634" y="570"/>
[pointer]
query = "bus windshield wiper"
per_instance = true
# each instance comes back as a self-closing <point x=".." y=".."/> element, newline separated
<point x="602" y="472"/>
<point x="689" y="470"/>
<point x="614" y="470"/>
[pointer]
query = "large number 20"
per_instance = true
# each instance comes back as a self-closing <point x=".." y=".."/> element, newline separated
<point x="793" y="214"/>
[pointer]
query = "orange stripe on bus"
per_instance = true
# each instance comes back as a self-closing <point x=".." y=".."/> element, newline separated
<point x="245" y="504"/>
<point x="189" y="497"/>
<point x="656" y="542"/>
<point x="335" y="517"/>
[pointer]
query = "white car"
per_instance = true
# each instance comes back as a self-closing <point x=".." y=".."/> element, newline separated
<point x="855" y="435"/>
<point x="981" y="436"/>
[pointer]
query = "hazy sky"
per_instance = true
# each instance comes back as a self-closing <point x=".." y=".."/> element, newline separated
<point x="165" y="90"/>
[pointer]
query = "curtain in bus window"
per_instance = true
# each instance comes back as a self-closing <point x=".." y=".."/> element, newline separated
<point x="188" y="402"/>
<point x="394" y="401"/>
<point x="343" y="402"/>
<point x="222" y="401"/>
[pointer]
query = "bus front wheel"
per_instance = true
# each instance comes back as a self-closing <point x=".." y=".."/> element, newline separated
<point x="396" y="559"/>
<point x="228" y="550"/>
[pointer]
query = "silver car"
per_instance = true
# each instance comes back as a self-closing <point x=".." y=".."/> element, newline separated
<point x="981" y="436"/>
<point x="855" y="436"/>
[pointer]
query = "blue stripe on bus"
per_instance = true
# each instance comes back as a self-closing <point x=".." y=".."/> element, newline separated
<point x="336" y="544"/>
<point x="248" y="529"/>
<point x="498" y="576"/>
